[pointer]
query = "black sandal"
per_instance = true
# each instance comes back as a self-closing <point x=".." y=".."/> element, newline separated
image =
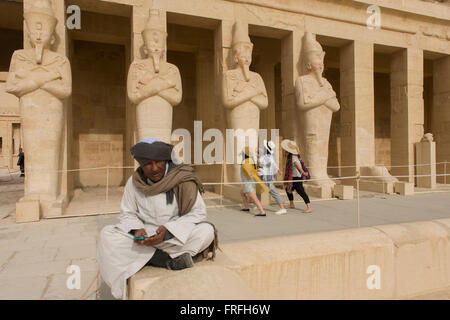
<point x="246" y="210"/>
<point x="259" y="215"/>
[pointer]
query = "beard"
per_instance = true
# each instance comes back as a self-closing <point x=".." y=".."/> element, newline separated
<point x="156" y="61"/>
<point x="246" y="71"/>
<point x="39" y="51"/>
<point x="318" y="76"/>
<point x="156" y="57"/>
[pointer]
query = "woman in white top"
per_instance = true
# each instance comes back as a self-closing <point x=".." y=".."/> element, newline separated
<point x="295" y="171"/>
<point x="268" y="170"/>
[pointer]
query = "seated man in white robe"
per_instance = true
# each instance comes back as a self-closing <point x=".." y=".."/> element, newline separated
<point x="161" y="202"/>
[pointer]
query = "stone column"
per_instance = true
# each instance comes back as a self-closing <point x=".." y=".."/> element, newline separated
<point x="138" y="20"/>
<point x="407" y="112"/>
<point x="222" y="61"/>
<point x="129" y="118"/>
<point x="8" y="144"/>
<point x="357" y="107"/>
<point x="290" y="56"/>
<point x="441" y="114"/>
<point x="66" y="187"/>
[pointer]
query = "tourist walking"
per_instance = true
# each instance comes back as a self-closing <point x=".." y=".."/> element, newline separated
<point x="268" y="170"/>
<point x="297" y="171"/>
<point x="21" y="162"/>
<point x="249" y="175"/>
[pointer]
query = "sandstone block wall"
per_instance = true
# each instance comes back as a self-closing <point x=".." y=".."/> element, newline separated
<point x="413" y="258"/>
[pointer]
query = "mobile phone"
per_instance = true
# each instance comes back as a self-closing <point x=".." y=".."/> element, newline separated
<point x="144" y="237"/>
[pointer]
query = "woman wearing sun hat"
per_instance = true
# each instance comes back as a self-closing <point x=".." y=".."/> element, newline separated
<point x="295" y="170"/>
<point x="268" y="170"/>
<point x="249" y="174"/>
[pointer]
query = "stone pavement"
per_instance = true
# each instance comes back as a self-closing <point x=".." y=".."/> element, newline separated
<point x="34" y="257"/>
<point x="11" y="190"/>
<point x="328" y="215"/>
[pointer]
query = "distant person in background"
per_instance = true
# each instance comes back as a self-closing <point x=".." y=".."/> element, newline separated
<point x="21" y="162"/>
<point x="249" y="175"/>
<point x="267" y="170"/>
<point x="295" y="170"/>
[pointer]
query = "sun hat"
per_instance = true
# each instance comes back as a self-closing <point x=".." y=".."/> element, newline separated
<point x="290" y="146"/>
<point x="269" y="145"/>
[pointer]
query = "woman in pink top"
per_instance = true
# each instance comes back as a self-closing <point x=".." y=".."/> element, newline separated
<point x="295" y="170"/>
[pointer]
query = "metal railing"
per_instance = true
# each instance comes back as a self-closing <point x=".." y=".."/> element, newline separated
<point x="357" y="177"/>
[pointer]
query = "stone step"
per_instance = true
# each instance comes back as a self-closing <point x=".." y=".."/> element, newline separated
<point x="207" y="280"/>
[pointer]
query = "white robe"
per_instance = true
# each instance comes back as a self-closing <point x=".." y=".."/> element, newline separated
<point x="119" y="257"/>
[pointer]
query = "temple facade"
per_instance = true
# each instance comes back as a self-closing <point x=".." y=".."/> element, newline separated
<point x="387" y="61"/>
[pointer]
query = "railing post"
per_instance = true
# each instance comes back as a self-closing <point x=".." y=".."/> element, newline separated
<point x="445" y="172"/>
<point x="357" y="198"/>
<point x="107" y="183"/>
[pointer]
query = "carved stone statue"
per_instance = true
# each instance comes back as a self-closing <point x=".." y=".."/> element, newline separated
<point x="244" y="93"/>
<point x="316" y="102"/>
<point x="154" y="85"/>
<point x="41" y="79"/>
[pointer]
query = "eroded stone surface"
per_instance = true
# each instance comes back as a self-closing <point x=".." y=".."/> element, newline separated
<point x="217" y="280"/>
<point x="154" y="85"/>
<point x="244" y="92"/>
<point x="316" y="102"/>
<point x="41" y="79"/>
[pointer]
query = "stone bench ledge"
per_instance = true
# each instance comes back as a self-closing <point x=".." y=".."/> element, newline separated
<point x="207" y="280"/>
<point x="413" y="258"/>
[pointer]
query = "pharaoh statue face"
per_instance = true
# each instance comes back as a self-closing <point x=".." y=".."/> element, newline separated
<point x="155" y="41"/>
<point x="243" y="54"/>
<point x="315" y="62"/>
<point x="40" y="30"/>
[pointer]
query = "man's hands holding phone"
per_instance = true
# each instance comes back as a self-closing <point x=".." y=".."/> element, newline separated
<point x="153" y="240"/>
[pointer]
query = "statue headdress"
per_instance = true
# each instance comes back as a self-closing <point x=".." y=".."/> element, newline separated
<point x="155" y="21"/>
<point x="310" y="43"/>
<point x="42" y="7"/>
<point x="240" y="34"/>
